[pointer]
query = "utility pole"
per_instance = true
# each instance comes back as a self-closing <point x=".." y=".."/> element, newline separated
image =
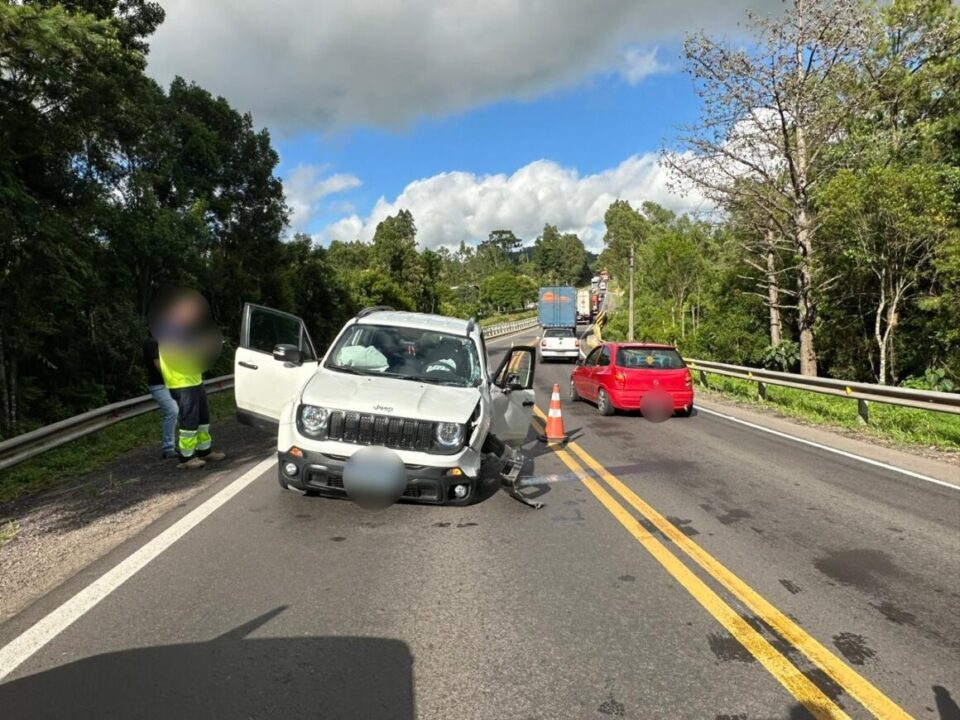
<point x="630" y="327"/>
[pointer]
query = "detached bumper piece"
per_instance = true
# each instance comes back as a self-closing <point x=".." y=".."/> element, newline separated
<point x="510" y="476"/>
<point x="323" y="475"/>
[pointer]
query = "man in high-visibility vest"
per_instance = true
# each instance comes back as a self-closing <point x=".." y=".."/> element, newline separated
<point x="189" y="343"/>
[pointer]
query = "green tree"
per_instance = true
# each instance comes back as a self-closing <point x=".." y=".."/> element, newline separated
<point x="561" y="259"/>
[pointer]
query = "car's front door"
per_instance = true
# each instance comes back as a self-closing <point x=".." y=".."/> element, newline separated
<point x="512" y="395"/>
<point x="587" y="385"/>
<point x="265" y="375"/>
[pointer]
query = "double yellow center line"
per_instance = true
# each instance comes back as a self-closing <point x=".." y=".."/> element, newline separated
<point x="798" y="684"/>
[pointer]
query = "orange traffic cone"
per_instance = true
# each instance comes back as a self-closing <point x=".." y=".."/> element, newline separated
<point x="555" y="432"/>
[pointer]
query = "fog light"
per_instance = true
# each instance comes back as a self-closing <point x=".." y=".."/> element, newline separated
<point x="460" y="491"/>
<point x="290" y="469"/>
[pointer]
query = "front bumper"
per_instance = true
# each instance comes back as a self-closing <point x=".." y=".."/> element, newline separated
<point x="323" y="474"/>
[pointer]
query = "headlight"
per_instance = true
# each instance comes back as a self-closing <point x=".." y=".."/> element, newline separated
<point x="449" y="435"/>
<point x="313" y="419"/>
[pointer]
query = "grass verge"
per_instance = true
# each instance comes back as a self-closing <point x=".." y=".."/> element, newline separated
<point x="904" y="426"/>
<point x="8" y="531"/>
<point x="86" y="454"/>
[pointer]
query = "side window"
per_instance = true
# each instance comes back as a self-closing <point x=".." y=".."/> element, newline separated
<point x="264" y="329"/>
<point x="604" y="357"/>
<point x="592" y="358"/>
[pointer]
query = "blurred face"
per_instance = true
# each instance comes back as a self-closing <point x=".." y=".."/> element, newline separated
<point x="182" y="324"/>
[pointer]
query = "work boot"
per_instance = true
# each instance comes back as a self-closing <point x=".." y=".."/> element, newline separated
<point x="214" y="456"/>
<point x="193" y="463"/>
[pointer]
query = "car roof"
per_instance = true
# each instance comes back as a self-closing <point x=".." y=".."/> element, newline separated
<point x="643" y="346"/>
<point x="420" y="321"/>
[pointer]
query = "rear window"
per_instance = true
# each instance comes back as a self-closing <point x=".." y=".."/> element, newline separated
<point x="558" y="332"/>
<point x="650" y="359"/>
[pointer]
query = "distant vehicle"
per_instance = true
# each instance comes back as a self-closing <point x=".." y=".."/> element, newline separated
<point x="617" y="376"/>
<point x="584" y="305"/>
<point x="558" y="307"/>
<point x="559" y="343"/>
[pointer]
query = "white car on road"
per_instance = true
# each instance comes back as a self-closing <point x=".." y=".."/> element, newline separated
<point x="559" y="343"/>
<point x="412" y="383"/>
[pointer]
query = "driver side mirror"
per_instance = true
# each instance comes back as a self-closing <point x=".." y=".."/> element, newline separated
<point x="287" y="354"/>
<point x="516" y="370"/>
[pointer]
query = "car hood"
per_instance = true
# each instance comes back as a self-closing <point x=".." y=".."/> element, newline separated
<point x="392" y="397"/>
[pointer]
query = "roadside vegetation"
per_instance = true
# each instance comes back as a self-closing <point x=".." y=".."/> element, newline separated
<point x="902" y="426"/>
<point x="70" y="461"/>
<point x="836" y="168"/>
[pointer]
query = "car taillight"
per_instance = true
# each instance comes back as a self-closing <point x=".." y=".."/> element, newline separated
<point x="576" y="343"/>
<point x="688" y="380"/>
<point x="620" y="377"/>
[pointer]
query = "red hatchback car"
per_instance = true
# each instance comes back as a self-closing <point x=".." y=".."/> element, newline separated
<point x="617" y="376"/>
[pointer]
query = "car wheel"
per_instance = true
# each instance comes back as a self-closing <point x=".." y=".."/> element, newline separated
<point x="604" y="406"/>
<point x="574" y="395"/>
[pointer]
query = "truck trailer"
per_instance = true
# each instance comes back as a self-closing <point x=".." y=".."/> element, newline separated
<point x="558" y="307"/>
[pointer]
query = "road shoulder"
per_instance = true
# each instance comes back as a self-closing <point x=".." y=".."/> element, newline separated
<point x="944" y="467"/>
<point x="59" y="534"/>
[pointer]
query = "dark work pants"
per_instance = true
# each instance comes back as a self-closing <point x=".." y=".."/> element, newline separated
<point x="193" y="436"/>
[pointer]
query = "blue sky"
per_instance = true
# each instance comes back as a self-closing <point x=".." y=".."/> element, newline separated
<point x="591" y="127"/>
<point x="474" y="116"/>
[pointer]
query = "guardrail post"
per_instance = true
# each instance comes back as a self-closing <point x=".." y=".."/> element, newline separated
<point x="863" y="410"/>
<point x="703" y="378"/>
<point x="762" y="390"/>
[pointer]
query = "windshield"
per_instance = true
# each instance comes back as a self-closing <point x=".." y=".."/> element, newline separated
<point x="649" y="359"/>
<point x="559" y="332"/>
<point x="408" y="354"/>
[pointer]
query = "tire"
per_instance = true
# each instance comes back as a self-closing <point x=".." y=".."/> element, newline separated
<point x="685" y="413"/>
<point x="574" y="395"/>
<point x="604" y="406"/>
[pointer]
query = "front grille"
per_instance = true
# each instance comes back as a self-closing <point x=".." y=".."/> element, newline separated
<point x="367" y="429"/>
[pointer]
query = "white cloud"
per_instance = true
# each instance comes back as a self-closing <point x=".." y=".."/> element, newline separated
<point x="328" y="64"/>
<point x="305" y="186"/>
<point x="456" y="206"/>
<point x="640" y="64"/>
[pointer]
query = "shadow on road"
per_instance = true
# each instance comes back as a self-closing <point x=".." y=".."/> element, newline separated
<point x="232" y="676"/>
<point x="947" y="707"/>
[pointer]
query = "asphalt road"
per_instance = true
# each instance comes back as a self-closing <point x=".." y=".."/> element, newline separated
<point x="691" y="569"/>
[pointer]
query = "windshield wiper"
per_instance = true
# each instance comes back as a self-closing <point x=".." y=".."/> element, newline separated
<point x="346" y="369"/>
<point x="426" y="379"/>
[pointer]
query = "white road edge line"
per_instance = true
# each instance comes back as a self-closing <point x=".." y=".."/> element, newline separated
<point x="853" y="456"/>
<point x="43" y="631"/>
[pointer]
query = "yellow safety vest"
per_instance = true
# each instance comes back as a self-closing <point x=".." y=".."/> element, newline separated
<point x="179" y="372"/>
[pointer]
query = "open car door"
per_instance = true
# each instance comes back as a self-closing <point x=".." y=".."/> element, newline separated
<point x="512" y="395"/>
<point x="275" y="358"/>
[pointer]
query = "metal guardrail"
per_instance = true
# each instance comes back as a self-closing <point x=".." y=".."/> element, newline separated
<point x="510" y="327"/>
<point x="23" y="447"/>
<point x="863" y="393"/>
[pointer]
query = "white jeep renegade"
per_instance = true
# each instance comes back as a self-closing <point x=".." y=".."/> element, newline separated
<point x="416" y="384"/>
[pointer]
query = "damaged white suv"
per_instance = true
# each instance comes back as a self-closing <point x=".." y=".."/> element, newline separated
<point x="413" y="383"/>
